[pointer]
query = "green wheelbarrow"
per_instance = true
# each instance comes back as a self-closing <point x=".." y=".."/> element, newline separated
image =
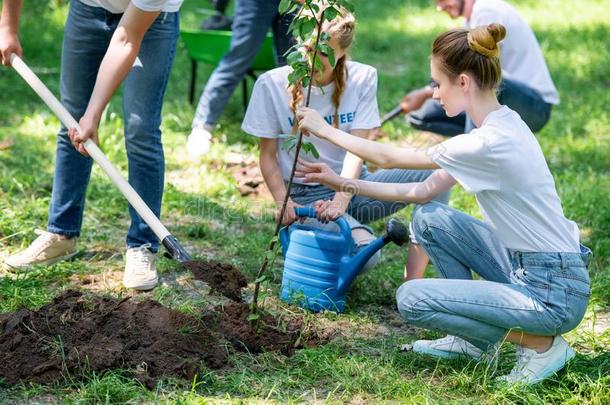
<point x="211" y="46"/>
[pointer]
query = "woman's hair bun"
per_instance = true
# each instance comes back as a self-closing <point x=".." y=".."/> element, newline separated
<point x="484" y="40"/>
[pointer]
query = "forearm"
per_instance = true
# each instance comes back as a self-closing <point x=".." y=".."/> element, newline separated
<point x="382" y="155"/>
<point x="407" y="192"/>
<point x="120" y="57"/>
<point x="436" y="184"/>
<point x="352" y="167"/>
<point x="11" y="10"/>
<point x="273" y="178"/>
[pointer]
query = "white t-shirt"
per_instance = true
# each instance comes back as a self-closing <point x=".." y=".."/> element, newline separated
<point x="520" y="54"/>
<point x="119" y="6"/>
<point x="269" y="115"/>
<point x="501" y="163"/>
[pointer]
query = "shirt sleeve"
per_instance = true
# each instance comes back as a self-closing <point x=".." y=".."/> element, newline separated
<point x="470" y="161"/>
<point x="367" y="111"/>
<point x="261" y="120"/>
<point x="149" y="5"/>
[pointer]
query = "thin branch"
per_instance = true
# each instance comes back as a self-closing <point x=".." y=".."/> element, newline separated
<point x="278" y="224"/>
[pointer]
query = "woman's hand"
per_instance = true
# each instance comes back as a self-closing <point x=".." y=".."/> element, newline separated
<point x="89" y="130"/>
<point x="289" y="215"/>
<point x="319" y="173"/>
<point x="311" y="122"/>
<point x="329" y="210"/>
<point x="9" y="44"/>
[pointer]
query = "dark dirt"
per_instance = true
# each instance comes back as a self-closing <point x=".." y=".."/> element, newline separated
<point x="250" y="181"/>
<point x="223" y="278"/>
<point x="76" y="333"/>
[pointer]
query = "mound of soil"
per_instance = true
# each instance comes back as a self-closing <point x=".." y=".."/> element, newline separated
<point x="223" y="278"/>
<point x="77" y="332"/>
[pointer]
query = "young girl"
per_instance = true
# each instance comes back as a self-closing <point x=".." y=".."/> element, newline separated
<point x="536" y="284"/>
<point x="346" y="97"/>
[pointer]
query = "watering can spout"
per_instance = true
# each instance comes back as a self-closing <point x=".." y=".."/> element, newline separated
<point x="396" y="232"/>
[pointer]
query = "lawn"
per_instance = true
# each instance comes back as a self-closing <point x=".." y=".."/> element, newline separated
<point x="203" y="208"/>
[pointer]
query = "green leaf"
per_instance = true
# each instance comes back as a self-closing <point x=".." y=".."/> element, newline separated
<point x="253" y="317"/>
<point x="330" y="54"/>
<point x="284" y="6"/>
<point x="261" y="279"/>
<point x="306" y="27"/>
<point x="330" y="13"/>
<point x="294" y="57"/>
<point x="314" y="151"/>
<point x="317" y="63"/>
<point x="290" y="143"/>
<point x="310" y="149"/>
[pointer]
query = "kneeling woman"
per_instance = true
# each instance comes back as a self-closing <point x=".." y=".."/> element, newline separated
<point x="535" y="282"/>
<point x="346" y="96"/>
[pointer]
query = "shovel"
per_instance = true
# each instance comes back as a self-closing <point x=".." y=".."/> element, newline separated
<point x="174" y="249"/>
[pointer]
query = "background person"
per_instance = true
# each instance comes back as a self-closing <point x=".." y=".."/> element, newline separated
<point x="526" y="85"/>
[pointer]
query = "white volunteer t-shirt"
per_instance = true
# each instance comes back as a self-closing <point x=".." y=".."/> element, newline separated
<point x="269" y="115"/>
<point x="501" y="163"/>
<point x="119" y="6"/>
<point x="520" y="54"/>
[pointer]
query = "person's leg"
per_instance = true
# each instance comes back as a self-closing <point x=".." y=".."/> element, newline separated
<point x="527" y="102"/>
<point x="366" y="210"/>
<point x="250" y="25"/>
<point x="458" y="243"/>
<point x="481" y="312"/>
<point x="432" y="117"/>
<point x="144" y="88"/>
<point x="86" y="39"/>
<point x="282" y="38"/>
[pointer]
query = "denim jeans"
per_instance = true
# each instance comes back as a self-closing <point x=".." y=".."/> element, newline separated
<point x="527" y="102"/>
<point x="250" y="25"/>
<point x="361" y="209"/>
<point x="538" y="293"/>
<point x="86" y="38"/>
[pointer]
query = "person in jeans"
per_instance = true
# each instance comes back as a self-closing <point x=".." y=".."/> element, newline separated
<point x="526" y="86"/>
<point x="106" y="42"/>
<point x="346" y="95"/>
<point x="250" y="25"/>
<point x="535" y="284"/>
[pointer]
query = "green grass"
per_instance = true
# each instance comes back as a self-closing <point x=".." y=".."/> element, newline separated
<point x="203" y="208"/>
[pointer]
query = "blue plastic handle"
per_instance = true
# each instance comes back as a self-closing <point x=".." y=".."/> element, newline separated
<point x="310" y="212"/>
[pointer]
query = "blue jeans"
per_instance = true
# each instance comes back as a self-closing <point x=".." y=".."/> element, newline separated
<point x="87" y="34"/>
<point x="361" y="209"/>
<point x="250" y="25"/>
<point x="527" y="102"/>
<point x="543" y="294"/>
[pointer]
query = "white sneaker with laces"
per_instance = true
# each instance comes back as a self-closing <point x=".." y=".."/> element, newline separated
<point x="449" y="347"/>
<point x="140" y="269"/>
<point x="46" y="249"/>
<point x="198" y="142"/>
<point x="532" y="367"/>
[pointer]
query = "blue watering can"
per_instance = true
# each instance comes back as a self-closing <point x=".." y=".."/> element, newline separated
<point x="320" y="265"/>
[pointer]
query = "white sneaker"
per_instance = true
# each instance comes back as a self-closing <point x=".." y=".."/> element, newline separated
<point x="47" y="248"/>
<point x="140" y="269"/>
<point x="532" y="367"/>
<point x="198" y="142"/>
<point x="449" y="347"/>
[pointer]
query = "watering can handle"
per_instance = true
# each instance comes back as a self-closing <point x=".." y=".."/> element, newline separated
<point x="310" y="212"/>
